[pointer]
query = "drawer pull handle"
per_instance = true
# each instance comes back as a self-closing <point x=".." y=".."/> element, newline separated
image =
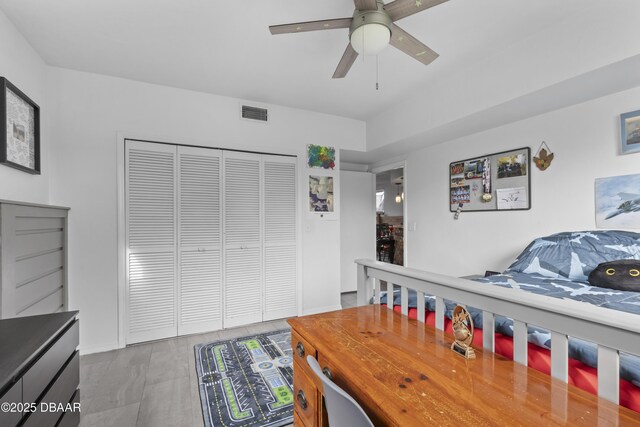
<point x="300" y="349"/>
<point x="302" y="399"/>
<point x="327" y="373"/>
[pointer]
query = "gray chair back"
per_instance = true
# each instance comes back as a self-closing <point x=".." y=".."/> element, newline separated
<point x="343" y="411"/>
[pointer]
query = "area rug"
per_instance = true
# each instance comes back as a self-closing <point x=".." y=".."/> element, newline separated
<point x="246" y="381"/>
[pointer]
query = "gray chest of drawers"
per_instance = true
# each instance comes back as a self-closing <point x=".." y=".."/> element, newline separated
<point x="33" y="259"/>
<point x="39" y="370"/>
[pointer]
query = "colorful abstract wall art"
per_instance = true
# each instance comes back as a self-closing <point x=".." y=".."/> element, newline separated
<point x="319" y="156"/>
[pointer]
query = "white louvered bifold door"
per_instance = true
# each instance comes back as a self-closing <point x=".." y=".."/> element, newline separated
<point x="242" y="239"/>
<point x="280" y="237"/>
<point x="151" y="241"/>
<point x="199" y="240"/>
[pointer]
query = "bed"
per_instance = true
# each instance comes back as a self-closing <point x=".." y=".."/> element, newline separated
<point x="556" y="266"/>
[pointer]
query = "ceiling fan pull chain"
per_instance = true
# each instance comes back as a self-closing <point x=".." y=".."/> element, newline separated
<point x="377" y="86"/>
<point x="363" y="46"/>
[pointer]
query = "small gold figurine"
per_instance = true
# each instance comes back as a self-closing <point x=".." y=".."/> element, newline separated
<point x="462" y="332"/>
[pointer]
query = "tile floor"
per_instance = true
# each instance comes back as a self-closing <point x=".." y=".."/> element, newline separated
<point x="153" y="384"/>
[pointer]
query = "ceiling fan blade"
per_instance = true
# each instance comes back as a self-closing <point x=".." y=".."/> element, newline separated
<point x="299" y="27"/>
<point x="413" y="47"/>
<point x="399" y="9"/>
<point x="366" y="4"/>
<point x="348" y="58"/>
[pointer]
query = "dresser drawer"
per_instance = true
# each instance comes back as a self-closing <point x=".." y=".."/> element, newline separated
<point x="35" y="380"/>
<point x="12" y="396"/>
<point x="301" y="349"/>
<point x="61" y="392"/>
<point x="71" y="419"/>
<point x="305" y="396"/>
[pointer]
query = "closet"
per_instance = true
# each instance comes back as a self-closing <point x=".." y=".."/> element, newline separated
<point x="211" y="239"/>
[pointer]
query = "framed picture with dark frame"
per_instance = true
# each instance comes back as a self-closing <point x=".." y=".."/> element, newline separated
<point x="491" y="182"/>
<point x="19" y="129"/>
<point x="630" y="132"/>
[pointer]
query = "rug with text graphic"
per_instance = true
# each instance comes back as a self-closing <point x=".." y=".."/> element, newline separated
<point x="246" y="382"/>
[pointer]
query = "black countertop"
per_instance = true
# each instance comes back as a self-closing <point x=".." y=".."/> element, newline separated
<point x="22" y="338"/>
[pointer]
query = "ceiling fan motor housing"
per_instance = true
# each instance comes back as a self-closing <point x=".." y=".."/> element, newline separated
<point x="367" y="17"/>
<point x="376" y="24"/>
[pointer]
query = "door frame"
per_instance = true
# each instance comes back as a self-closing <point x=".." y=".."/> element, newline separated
<point x="387" y="167"/>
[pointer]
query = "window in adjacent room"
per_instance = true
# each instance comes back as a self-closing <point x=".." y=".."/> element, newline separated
<point x="379" y="201"/>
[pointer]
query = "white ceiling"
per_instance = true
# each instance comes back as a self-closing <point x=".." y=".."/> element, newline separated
<point x="225" y="48"/>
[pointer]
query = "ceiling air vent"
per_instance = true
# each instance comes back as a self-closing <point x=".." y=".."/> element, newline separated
<point x="254" y="113"/>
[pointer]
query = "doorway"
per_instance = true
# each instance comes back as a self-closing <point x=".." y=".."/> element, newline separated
<point x="390" y="201"/>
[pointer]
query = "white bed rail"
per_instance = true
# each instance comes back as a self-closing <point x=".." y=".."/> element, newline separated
<point x="613" y="331"/>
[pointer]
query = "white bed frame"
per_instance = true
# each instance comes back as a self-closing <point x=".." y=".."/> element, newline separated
<point x="613" y="331"/>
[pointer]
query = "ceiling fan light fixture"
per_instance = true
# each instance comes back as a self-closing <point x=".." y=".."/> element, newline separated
<point x="370" y="39"/>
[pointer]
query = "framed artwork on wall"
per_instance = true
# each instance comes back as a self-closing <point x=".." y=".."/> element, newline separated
<point x="618" y="202"/>
<point x="321" y="194"/>
<point x="492" y="182"/>
<point x="630" y="132"/>
<point x="19" y="129"/>
<point x="320" y="156"/>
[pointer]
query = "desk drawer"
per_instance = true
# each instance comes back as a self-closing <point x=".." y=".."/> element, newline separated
<point x="332" y="371"/>
<point x="61" y="392"/>
<point x="336" y="374"/>
<point x="13" y="395"/>
<point x="301" y="349"/>
<point x="35" y="380"/>
<point x="297" y="421"/>
<point x="305" y="396"/>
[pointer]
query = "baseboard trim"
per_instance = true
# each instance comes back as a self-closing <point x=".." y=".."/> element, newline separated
<point x="102" y="349"/>
<point x="317" y="310"/>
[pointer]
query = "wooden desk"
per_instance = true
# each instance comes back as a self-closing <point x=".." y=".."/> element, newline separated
<point x="404" y="374"/>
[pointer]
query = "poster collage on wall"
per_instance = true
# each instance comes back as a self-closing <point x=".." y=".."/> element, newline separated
<point x="321" y="180"/>
<point x="497" y="181"/>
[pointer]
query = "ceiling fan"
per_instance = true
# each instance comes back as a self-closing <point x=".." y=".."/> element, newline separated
<point x="370" y="29"/>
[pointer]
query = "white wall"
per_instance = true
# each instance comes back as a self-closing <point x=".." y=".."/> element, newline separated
<point x="582" y="42"/>
<point x="22" y="66"/>
<point x="585" y="141"/>
<point x="89" y="110"/>
<point x="357" y="224"/>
